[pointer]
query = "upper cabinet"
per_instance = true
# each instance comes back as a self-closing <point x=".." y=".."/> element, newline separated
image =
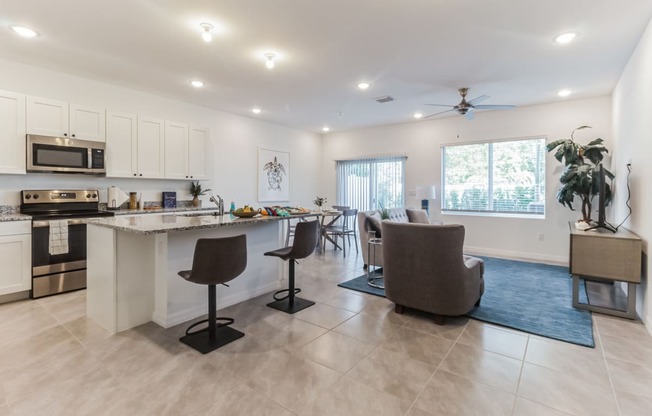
<point x="151" y="147"/>
<point x="58" y="118"/>
<point x="121" y="145"/>
<point x="12" y="133"/>
<point x="185" y="151"/>
<point x="176" y="150"/>
<point x="197" y="153"/>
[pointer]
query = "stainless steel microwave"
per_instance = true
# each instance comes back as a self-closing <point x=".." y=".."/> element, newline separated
<point x="65" y="155"/>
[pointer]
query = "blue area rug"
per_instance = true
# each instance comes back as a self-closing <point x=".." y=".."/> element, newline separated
<point x="530" y="297"/>
<point x="360" y="284"/>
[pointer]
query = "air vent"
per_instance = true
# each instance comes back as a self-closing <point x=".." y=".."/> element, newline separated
<point x="384" y="99"/>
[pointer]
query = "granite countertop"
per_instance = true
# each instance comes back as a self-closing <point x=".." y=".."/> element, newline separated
<point x="164" y="223"/>
<point x="14" y="217"/>
<point x="158" y="210"/>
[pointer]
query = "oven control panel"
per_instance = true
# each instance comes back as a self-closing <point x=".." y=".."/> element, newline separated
<point x="59" y="196"/>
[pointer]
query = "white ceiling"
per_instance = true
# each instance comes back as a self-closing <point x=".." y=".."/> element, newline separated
<point x="417" y="51"/>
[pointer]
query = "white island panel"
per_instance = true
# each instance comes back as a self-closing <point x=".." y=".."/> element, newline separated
<point x="132" y="273"/>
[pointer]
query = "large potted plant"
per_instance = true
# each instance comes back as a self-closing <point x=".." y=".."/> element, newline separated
<point x="581" y="172"/>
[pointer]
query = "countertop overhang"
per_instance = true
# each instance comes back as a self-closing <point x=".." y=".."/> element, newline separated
<point x="166" y="223"/>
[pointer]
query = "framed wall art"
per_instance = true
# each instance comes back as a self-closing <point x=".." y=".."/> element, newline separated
<point x="273" y="175"/>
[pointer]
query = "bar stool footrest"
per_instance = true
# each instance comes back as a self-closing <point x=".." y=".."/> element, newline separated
<point x="284" y="305"/>
<point x="278" y="292"/>
<point x="200" y="340"/>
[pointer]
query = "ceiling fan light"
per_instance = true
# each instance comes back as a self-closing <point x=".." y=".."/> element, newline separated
<point x="418" y="115"/>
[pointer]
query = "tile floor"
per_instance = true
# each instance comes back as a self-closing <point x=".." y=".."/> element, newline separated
<point x="348" y="355"/>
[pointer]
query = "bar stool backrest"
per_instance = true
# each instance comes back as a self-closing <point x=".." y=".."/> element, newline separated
<point x="218" y="260"/>
<point x="305" y="240"/>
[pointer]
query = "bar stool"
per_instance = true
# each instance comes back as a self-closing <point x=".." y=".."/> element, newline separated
<point x="216" y="261"/>
<point x="305" y="241"/>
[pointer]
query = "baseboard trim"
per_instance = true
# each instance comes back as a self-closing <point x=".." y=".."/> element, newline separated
<point x="516" y="255"/>
<point x="192" y="313"/>
<point x="12" y="297"/>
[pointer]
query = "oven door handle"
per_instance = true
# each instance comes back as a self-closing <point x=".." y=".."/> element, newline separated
<point x="44" y="224"/>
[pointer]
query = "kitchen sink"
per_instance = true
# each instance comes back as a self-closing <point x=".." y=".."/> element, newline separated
<point x="198" y="214"/>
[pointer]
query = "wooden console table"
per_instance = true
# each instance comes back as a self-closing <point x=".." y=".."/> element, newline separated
<point x="605" y="256"/>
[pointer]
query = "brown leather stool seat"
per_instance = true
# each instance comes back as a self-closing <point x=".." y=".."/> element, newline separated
<point x="215" y="261"/>
<point x="306" y="236"/>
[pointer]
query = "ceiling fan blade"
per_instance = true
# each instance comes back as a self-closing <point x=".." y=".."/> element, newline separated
<point x="469" y="115"/>
<point x="478" y="100"/>
<point x="441" y="105"/>
<point x="441" y="112"/>
<point x="494" y="107"/>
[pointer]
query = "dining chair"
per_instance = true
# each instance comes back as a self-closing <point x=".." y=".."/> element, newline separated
<point x="345" y="230"/>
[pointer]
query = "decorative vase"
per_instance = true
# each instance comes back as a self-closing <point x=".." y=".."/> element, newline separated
<point x="195" y="201"/>
<point x="319" y="208"/>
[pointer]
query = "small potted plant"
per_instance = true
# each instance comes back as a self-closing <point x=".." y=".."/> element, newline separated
<point x="196" y="191"/>
<point x="319" y="201"/>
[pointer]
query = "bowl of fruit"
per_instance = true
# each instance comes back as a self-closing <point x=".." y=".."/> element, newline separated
<point x="245" y="212"/>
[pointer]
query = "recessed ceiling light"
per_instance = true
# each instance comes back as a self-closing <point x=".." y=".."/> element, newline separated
<point x="24" y="31"/>
<point x="269" y="63"/>
<point x="196" y="83"/>
<point x="564" y="93"/>
<point x="207" y="35"/>
<point x="565" y="37"/>
<point x="256" y="110"/>
<point x="418" y="115"/>
<point x="325" y="129"/>
<point x="364" y="85"/>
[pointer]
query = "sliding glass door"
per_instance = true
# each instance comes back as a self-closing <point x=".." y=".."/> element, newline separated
<point x="371" y="183"/>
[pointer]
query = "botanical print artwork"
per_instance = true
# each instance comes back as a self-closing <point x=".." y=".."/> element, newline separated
<point x="273" y="175"/>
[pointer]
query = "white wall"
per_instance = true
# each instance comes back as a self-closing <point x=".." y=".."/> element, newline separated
<point x="232" y="151"/>
<point x="421" y="141"/>
<point x="632" y="133"/>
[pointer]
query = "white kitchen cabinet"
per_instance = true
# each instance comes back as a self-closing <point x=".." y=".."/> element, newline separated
<point x="15" y="250"/>
<point x="87" y="123"/>
<point x="185" y="151"/>
<point x="151" y="147"/>
<point x="48" y="117"/>
<point x="121" y="145"/>
<point x="12" y="133"/>
<point x="198" y="139"/>
<point x="176" y="150"/>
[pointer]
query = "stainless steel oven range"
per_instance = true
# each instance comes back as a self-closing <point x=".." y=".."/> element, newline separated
<point x="59" y="237"/>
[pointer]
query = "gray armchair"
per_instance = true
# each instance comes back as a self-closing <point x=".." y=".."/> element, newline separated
<point x="371" y="221"/>
<point x="425" y="269"/>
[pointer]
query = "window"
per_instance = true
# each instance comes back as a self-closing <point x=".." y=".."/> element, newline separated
<point x="500" y="177"/>
<point x="372" y="183"/>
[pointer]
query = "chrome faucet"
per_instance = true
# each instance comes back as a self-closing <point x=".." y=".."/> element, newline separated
<point x="219" y="202"/>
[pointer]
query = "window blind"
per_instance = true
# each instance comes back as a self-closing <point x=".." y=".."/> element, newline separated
<point x="371" y="183"/>
<point x="506" y="176"/>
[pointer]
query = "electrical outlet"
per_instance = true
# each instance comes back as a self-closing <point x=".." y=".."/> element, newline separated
<point x="540" y="236"/>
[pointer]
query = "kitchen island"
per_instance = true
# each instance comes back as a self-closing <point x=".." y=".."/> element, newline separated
<point x="133" y="263"/>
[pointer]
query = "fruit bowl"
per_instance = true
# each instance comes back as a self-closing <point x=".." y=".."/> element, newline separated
<point x="245" y="214"/>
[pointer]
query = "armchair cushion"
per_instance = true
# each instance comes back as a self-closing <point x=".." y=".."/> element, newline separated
<point x="418" y="216"/>
<point x="375" y="223"/>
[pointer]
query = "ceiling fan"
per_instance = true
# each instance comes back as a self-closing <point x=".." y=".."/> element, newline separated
<point x="466" y="108"/>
